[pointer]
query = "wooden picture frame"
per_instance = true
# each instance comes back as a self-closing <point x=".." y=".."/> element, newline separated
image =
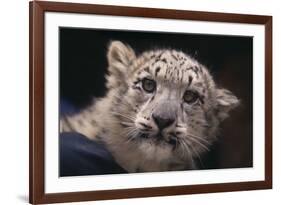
<point x="37" y="10"/>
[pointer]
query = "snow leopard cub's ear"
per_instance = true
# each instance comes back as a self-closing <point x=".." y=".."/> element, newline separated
<point x="120" y="57"/>
<point x="226" y="101"/>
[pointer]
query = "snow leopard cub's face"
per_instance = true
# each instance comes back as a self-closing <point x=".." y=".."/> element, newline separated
<point x="165" y="101"/>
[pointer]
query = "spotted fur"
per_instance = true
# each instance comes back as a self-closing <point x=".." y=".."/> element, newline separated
<point x="124" y="119"/>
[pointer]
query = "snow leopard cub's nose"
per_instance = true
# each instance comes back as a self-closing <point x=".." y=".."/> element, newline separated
<point x="162" y="122"/>
<point x="164" y="114"/>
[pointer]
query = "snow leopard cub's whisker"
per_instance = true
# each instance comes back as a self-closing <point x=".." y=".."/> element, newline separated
<point x="186" y="151"/>
<point x="195" y="152"/>
<point x="131" y="118"/>
<point x="199" y="143"/>
<point x="130" y="132"/>
<point x="127" y="124"/>
<point x="133" y="134"/>
<point x="127" y="129"/>
<point x="199" y="138"/>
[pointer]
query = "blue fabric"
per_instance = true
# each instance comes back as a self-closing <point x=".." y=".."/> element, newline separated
<point x="81" y="156"/>
<point x="67" y="108"/>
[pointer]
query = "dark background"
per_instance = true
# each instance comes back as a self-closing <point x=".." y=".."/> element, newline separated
<point x="83" y="66"/>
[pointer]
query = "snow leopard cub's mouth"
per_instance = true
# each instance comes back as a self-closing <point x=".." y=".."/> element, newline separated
<point x="159" y="138"/>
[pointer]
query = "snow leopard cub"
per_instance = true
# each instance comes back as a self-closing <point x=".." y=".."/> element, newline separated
<point x="161" y="111"/>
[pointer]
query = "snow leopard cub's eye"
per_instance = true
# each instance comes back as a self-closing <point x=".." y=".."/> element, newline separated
<point x="148" y="85"/>
<point x="190" y="97"/>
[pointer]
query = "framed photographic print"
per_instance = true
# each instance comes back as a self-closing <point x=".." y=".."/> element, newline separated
<point x="138" y="102"/>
